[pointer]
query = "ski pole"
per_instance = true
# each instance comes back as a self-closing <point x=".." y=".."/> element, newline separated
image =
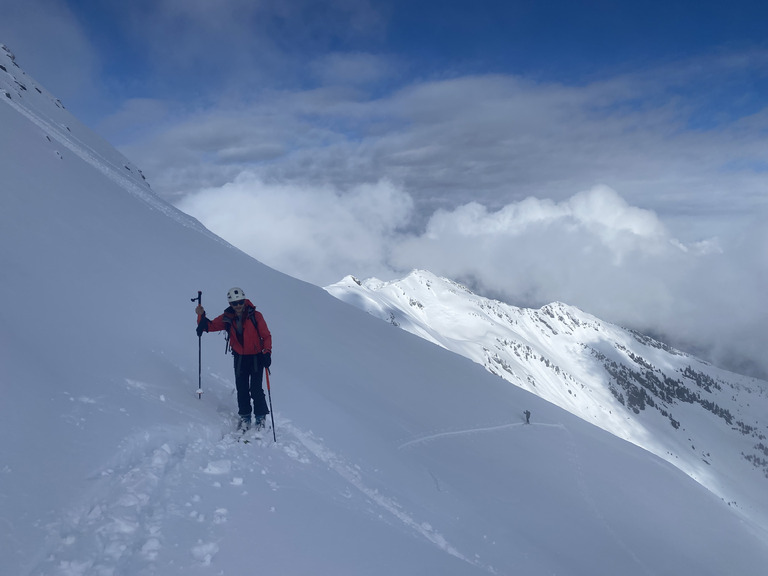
<point x="199" y="351"/>
<point x="271" y="414"/>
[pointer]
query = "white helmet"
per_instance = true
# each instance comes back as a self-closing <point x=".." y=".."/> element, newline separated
<point x="235" y="295"/>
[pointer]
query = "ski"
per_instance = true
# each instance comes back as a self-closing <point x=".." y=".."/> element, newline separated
<point x="253" y="434"/>
<point x="247" y="433"/>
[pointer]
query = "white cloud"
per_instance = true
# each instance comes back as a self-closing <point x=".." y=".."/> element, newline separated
<point x="619" y="262"/>
<point x="538" y="250"/>
<point x="313" y="233"/>
<point x="351" y="69"/>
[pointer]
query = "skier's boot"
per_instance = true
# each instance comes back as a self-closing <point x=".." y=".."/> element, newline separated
<point x="245" y="423"/>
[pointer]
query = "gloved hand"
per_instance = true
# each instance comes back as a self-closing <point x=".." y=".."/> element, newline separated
<point x="202" y="326"/>
<point x="266" y="359"/>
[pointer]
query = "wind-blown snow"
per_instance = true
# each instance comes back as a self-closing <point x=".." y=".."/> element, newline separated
<point x="393" y="456"/>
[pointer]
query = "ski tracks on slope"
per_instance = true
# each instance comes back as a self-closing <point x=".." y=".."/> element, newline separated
<point x="159" y="504"/>
<point x="468" y="431"/>
<point x="576" y="462"/>
<point x="353" y="477"/>
<point x="152" y="507"/>
<point x="118" y="529"/>
<point x="574" y="458"/>
<point x="463" y="432"/>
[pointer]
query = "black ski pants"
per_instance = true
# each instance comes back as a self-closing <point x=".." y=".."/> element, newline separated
<point x="249" y="372"/>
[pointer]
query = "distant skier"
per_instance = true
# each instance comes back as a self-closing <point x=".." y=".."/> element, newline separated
<point x="527" y="416"/>
<point x="251" y="343"/>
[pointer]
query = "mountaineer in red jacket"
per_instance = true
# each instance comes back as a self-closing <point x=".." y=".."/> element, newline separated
<point x="251" y="343"/>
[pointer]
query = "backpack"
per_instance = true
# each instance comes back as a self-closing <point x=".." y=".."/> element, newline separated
<point x="228" y="322"/>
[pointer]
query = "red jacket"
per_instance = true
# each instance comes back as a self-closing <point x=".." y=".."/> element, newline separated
<point x="255" y="337"/>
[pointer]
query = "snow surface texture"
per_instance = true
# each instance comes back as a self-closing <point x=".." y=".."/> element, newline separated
<point x="394" y="456"/>
<point x="708" y="422"/>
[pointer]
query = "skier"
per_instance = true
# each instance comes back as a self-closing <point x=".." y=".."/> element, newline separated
<point x="527" y="416"/>
<point x="251" y="343"/>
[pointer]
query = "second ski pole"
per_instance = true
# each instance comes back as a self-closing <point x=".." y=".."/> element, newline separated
<point x="271" y="414"/>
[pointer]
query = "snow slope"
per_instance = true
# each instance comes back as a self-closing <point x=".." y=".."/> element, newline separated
<point x="394" y="456"/>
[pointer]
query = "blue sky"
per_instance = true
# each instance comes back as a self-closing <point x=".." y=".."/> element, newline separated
<point x="135" y="52"/>
<point x="607" y="154"/>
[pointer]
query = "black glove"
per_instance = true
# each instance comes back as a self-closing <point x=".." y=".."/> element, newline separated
<point x="266" y="359"/>
<point x="202" y="326"/>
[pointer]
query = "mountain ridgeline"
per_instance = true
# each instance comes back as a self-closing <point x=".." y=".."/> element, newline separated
<point x="704" y="420"/>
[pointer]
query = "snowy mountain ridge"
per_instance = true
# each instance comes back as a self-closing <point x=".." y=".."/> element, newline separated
<point x="386" y="461"/>
<point x="34" y="102"/>
<point x="708" y="422"/>
<point x="67" y="135"/>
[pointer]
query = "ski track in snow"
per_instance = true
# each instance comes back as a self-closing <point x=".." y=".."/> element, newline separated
<point x="354" y="478"/>
<point x="148" y="492"/>
<point x="152" y="490"/>
<point x="464" y="432"/>
<point x="575" y="462"/>
<point x="119" y="530"/>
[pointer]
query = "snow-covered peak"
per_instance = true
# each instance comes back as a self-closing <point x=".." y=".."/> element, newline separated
<point x="706" y="421"/>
